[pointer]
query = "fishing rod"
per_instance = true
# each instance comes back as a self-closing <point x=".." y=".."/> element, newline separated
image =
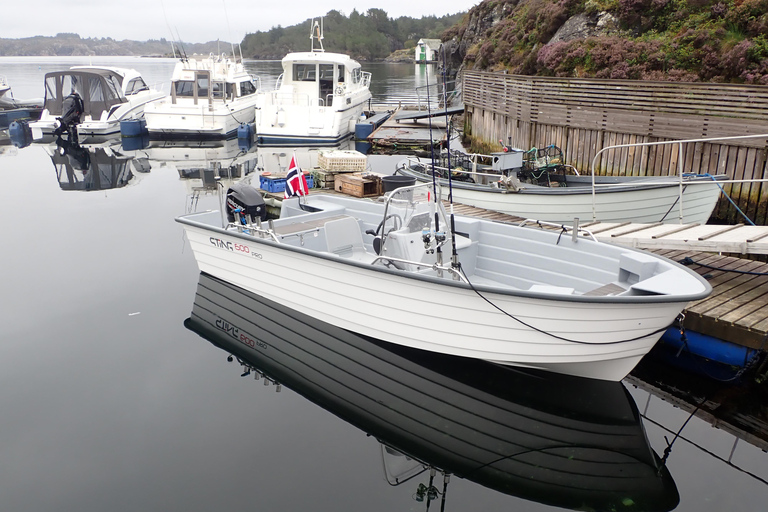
<point x="454" y="254"/>
<point x="432" y="156"/>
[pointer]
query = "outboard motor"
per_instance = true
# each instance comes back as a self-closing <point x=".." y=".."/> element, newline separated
<point x="71" y="110"/>
<point x="248" y="200"/>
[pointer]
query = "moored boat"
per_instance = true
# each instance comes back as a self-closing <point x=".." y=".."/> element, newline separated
<point x="404" y="271"/>
<point x="211" y="96"/>
<point x="88" y="102"/>
<point x="555" y="193"/>
<point x="317" y="99"/>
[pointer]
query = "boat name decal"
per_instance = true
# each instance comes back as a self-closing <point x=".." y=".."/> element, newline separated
<point x="236" y="334"/>
<point x="233" y="247"/>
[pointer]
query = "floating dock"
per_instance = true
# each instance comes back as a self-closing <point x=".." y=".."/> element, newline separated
<point x="409" y="130"/>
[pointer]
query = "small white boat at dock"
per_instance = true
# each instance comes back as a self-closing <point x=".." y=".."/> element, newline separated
<point x="537" y="189"/>
<point x="90" y="102"/>
<point x="404" y="271"/>
<point x="211" y="96"/>
<point x="317" y="99"/>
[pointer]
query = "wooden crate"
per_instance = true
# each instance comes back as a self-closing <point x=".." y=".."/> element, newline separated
<point x="324" y="179"/>
<point x="357" y="184"/>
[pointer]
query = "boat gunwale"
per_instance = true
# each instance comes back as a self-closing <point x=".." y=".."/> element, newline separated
<point x="187" y="219"/>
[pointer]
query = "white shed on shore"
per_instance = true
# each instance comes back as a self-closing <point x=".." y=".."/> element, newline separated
<point x="427" y="50"/>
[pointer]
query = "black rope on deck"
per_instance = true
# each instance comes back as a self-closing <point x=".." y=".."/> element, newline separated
<point x="689" y="261"/>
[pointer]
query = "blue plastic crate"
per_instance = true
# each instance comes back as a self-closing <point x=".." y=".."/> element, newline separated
<point x="275" y="184"/>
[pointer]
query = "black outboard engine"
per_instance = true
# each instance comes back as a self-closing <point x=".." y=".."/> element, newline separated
<point x="71" y="110"/>
<point x="245" y="200"/>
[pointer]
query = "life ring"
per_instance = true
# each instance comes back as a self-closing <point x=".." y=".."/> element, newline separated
<point x="339" y="90"/>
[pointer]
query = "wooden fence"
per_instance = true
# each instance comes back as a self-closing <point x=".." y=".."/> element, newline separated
<point x="583" y="116"/>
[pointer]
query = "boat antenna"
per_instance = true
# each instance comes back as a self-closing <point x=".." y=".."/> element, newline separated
<point x="182" y="52"/>
<point x="169" y="28"/>
<point x="229" y="30"/>
<point x="316" y="32"/>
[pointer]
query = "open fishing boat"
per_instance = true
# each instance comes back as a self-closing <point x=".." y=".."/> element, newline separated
<point x="211" y="96"/>
<point x="316" y="101"/>
<point x="545" y="189"/>
<point x="404" y="271"/>
<point x="89" y="102"/>
<point x="552" y="439"/>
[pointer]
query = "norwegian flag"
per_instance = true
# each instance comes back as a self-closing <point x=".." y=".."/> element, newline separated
<point x="295" y="182"/>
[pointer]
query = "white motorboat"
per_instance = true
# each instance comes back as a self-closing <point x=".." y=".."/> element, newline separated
<point x="90" y="102"/>
<point x="317" y="99"/>
<point x="211" y="96"/>
<point x="404" y="271"/>
<point x="552" y="439"/>
<point x="8" y="102"/>
<point x="552" y="192"/>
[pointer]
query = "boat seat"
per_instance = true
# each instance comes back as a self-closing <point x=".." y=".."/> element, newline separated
<point x="344" y="238"/>
<point x="636" y="266"/>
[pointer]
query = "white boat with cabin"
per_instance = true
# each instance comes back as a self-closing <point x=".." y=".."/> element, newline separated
<point x="90" y="102"/>
<point x="317" y="99"/>
<point x="402" y="270"/>
<point x="211" y="96"/>
<point x="537" y="189"/>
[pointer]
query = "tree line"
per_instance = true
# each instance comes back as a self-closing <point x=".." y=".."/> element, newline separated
<point x="372" y="35"/>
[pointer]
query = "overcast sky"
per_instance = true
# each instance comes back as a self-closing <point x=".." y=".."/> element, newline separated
<point x="195" y="21"/>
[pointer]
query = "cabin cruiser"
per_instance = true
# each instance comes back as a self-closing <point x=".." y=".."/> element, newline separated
<point x="91" y="101"/>
<point x="317" y="99"/>
<point x="211" y="96"/>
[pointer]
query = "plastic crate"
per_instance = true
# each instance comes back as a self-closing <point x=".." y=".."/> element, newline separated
<point x="342" y="160"/>
<point x="277" y="183"/>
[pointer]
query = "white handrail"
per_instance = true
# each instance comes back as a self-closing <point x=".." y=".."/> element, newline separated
<point x="679" y="162"/>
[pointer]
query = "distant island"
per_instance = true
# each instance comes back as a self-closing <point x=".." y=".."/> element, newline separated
<point x="369" y="36"/>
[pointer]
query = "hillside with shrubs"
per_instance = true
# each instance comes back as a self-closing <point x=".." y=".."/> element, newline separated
<point x="678" y="40"/>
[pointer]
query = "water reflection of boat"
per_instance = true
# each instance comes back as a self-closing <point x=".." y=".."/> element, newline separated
<point x="94" y="166"/>
<point x="552" y="439"/>
<point x="204" y="160"/>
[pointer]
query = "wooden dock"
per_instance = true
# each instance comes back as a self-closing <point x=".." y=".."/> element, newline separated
<point x="418" y="133"/>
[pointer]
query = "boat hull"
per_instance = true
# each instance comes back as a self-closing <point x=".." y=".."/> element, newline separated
<point x="293" y="125"/>
<point x="590" y="337"/>
<point x="169" y="121"/>
<point x="641" y="202"/>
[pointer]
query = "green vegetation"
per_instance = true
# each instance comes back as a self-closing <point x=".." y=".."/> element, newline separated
<point x="365" y="36"/>
<point x="689" y="40"/>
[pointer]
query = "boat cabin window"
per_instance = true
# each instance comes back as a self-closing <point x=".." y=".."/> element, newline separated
<point x="114" y="86"/>
<point x="357" y="76"/>
<point x="326" y="80"/>
<point x="303" y="72"/>
<point x="247" y="88"/>
<point x="136" y="85"/>
<point x="184" y="88"/>
<point x="217" y="90"/>
<point x="341" y="74"/>
<point x="203" y="82"/>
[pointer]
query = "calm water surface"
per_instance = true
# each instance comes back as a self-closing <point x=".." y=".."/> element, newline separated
<point x="109" y="402"/>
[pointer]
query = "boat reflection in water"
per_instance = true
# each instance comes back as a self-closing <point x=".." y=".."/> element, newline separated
<point x="553" y="439"/>
<point x="94" y="166"/>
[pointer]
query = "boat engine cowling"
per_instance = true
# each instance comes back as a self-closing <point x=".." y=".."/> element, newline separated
<point x="248" y="200"/>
